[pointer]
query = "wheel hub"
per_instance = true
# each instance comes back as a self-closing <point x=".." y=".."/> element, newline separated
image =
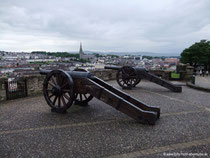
<point x="57" y="91"/>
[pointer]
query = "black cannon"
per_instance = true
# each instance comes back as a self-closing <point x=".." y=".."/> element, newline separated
<point x="128" y="77"/>
<point x="63" y="88"/>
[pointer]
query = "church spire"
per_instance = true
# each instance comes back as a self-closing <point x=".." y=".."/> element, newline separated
<point x="80" y="47"/>
<point x="81" y="53"/>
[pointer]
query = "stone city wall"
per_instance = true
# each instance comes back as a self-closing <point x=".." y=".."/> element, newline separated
<point x="2" y="89"/>
<point x="34" y="83"/>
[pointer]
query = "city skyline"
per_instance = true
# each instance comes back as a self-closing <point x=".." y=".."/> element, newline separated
<point x="166" y="27"/>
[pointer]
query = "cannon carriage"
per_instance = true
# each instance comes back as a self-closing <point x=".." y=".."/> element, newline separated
<point x="128" y="77"/>
<point x="61" y="89"/>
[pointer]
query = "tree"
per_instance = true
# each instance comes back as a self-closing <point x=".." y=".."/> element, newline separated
<point x="58" y="54"/>
<point x="147" y="57"/>
<point x="97" y="55"/>
<point x="113" y="56"/>
<point x="197" y="54"/>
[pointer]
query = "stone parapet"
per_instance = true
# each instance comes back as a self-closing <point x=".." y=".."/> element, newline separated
<point x="35" y="82"/>
<point x="105" y="75"/>
<point x="2" y="89"/>
<point x="161" y="73"/>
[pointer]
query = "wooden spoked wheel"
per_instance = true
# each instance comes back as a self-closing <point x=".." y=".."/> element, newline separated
<point x="82" y="99"/>
<point x="138" y="80"/>
<point x="127" y="77"/>
<point x="58" y="90"/>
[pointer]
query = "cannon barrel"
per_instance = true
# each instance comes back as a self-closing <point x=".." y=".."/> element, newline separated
<point x="113" y="67"/>
<point x="140" y="69"/>
<point x="74" y="74"/>
<point x="119" y="67"/>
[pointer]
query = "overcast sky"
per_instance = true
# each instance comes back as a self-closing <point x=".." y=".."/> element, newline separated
<point x="162" y="26"/>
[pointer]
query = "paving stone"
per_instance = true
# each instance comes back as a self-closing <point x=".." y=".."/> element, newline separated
<point x="29" y="129"/>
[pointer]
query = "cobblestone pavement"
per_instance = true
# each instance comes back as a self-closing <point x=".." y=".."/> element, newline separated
<point x="29" y="129"/>
<point x="203" y="81"/>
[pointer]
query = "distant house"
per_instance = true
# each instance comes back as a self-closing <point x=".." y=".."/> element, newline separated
<point x="171" y="61"/>
<point x="10" y="58"/>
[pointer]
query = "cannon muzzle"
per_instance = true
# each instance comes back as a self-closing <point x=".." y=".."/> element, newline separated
<point x="74" y="74"/>
<point x="44" y="72"/>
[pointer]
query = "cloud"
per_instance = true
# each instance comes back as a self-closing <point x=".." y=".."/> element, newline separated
<point x="165" y="26"/>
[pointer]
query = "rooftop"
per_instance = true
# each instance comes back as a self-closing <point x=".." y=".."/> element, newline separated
<point x="29" y="129"/>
